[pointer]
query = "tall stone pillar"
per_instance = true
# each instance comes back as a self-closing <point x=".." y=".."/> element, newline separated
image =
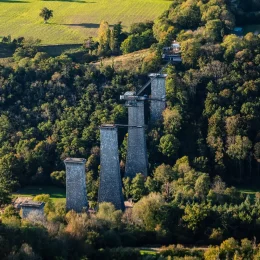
<point x="110" y="187"/>
<point x="136" y="158"/>
<point x="158" y="91"/>
<point x="76" y="192"/>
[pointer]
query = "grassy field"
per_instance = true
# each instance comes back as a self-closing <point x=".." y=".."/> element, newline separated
<point x="148" y="251"/>
<point x="248" y="191"/>
<point x="74" y="20"/>
<point x="56" y="193"/>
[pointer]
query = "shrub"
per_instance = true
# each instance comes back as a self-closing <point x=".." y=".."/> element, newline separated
<point x="59" y="178"/>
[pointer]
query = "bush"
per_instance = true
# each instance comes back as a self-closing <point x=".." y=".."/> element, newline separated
<point x="229" y="247"/>
<point x="59" y="178"/>
<point x="49" y="205"/>
<point x="180" y="251"/>
<point x="10" y="211"/>
<point x="39" y="56"/>
<point x="217" y="235"/>
<point x="108" y="213"/>
<point x="151" y="63"/>
<point x="212" y="253"/>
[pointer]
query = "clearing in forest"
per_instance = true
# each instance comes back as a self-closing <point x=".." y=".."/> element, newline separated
<point x="56" y="193"/>
<point x="73" y="20"/>
<point x="130" y="62"/>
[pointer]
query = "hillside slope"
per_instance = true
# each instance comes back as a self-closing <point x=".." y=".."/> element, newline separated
<point x="131" y="61"/>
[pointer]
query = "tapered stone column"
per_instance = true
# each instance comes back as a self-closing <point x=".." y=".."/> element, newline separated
<point x="158" y="91"/>
<point x="76" y="193"/>
<point x="136" y="158"/>
<point x="110" y="187"/>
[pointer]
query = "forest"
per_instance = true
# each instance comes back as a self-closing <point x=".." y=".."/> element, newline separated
<point x="206" y="146"/>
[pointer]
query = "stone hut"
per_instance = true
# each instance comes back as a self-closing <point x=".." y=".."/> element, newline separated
<point x="28" y="206"/>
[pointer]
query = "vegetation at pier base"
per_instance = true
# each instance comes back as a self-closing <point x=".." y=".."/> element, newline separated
<point x="200" y="199"/>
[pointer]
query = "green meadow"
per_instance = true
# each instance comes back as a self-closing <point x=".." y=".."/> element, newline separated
<point x="73" y="20"/>
<point x="56" y="193"/>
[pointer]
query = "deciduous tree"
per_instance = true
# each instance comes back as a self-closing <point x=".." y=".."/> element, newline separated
<point x="46" y="14"/>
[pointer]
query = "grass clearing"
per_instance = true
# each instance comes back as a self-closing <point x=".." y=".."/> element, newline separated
<point x="131" y="61"/>
<point x="250" y="190"/>
<point x="148" y="252"/>
<point x="56" y="194"/>
<point x="73" y="20"/>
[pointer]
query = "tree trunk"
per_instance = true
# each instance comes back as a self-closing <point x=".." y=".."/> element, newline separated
<point x="240" y="170"/>
<point x="258" y="169"/>
<point x="250" y="166"/>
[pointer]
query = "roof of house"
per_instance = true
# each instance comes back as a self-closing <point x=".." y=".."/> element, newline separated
<point x="27" y="202"/>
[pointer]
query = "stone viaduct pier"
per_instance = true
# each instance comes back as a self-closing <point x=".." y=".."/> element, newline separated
<point x="110" y="187"/>
<point x="136" y="158"/>
<point x="158" y="90"/>
<point x="76" y="192"/>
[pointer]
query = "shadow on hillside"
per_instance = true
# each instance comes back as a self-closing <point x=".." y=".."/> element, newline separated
<point x="5" y="51"/>
<point x="85" y="25"/>
<point x="76" y="1"/>
<point x="13" y="1"/>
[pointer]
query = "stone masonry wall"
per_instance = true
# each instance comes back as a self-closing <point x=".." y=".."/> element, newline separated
<point x="110" y="187"/>
<point x="76" y="193"/>
<point x="136" y="159"/>
<point x="158" y="90"/>
<point x="26" y="211"/>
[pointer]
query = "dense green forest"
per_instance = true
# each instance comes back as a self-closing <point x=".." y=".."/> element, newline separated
<point x="208" y="141"/>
